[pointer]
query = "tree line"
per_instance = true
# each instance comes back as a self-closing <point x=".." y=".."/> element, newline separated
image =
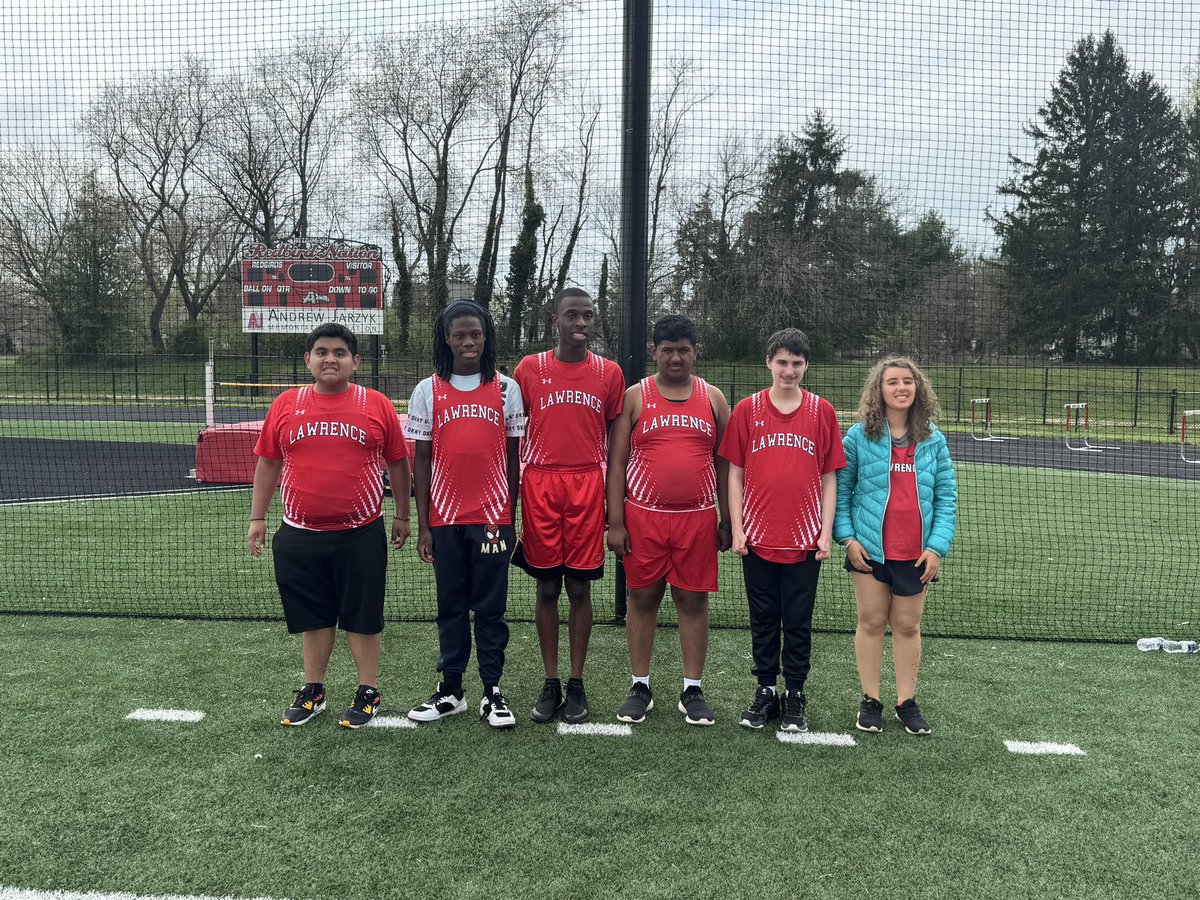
<point x="1098" y="231"/>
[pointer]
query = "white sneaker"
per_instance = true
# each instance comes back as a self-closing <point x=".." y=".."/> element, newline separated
<point x="443" y="703"/>
<point x="494" y="708"/>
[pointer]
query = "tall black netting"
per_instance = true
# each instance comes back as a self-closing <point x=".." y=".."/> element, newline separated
<point x="1010" y="194"/>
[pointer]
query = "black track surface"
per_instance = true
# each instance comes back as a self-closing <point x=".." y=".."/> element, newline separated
<point x="39" y="469"/>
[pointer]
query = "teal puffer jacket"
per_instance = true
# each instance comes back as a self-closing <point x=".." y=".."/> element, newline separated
<point x="863" y="488"/>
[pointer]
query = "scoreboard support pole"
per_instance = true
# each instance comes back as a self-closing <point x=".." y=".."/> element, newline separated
<point x="254" y="362"/>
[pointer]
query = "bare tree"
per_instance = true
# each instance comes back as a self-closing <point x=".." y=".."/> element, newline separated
<point x="526" y="38"/>
<point x="672" y="108"/>
<point x="37" y="203"/>
<point x="427" y="124"/>
<point x="154" y="134"/>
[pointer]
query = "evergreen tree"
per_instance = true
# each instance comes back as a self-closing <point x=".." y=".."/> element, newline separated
<point x="1085" y="245"/>
<point x="522" y="264"/>
<point x="90" y="285"/>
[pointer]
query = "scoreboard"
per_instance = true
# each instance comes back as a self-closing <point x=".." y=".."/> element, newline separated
<point x="294" y="288"/>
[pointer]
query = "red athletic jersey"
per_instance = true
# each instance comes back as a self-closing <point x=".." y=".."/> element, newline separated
<point x="902" y="518"/>
<point x="569" y="406"/>
<point x="670" y="451"/>
<point x="469" y="482"/>
<point x="333" y="448"/>
<point x="783" y="458"/>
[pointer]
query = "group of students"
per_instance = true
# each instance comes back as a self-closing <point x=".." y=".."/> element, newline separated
<point x="664" y="468"/>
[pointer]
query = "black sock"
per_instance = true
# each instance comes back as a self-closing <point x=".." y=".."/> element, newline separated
<point x="554" y="681"/>
<point x="451" y="684"/>
<point x="575" y="681"/>
<point x="317" y="687"/>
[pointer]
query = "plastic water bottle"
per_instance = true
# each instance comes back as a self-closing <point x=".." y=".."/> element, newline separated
<point x="1180" y="647"/>
<point x="1154" y="643"/>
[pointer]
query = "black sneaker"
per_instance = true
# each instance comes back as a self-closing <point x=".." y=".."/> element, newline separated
<point x="443" y="702"/>
<point x="695" y="709"/>
<point x="494" y="708"/>
<point x="870" y="715"/>
<point x="363" y="710"/>
<point x="764" y="708"/>
<point x="575" y="712"/>
<point x="910" y="716"/>
<point x="793" y="712"/>
<point x="637" y="703"/>
<point x="310" y="700"/>
<point x="549" y="702"/>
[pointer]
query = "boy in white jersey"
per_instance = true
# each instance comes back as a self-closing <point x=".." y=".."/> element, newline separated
<point x="784" y="448"/>
<point x="466" y="421"/>
<point x="324" y="446"/>
<point x="664" y="482"/>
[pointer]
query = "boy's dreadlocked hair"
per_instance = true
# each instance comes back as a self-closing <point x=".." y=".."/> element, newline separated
<point x="443" y="357"/>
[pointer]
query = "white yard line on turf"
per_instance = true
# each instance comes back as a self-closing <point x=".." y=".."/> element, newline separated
<point x="596" y="728"/>
<point x="391" y="722"/>
<point x="1044" y="748"/>
<point x="11" y="893"/>
<point x="166" y="715"/>
<point x="817" y="738"/>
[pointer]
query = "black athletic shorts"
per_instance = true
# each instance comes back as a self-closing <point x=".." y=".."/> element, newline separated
<point x="902" y="574"/>
<point x="329" y="578"/>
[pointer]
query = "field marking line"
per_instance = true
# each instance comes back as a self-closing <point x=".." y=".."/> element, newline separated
<point x="166" y="715"/>
<point x="76" y="498"/>
<point x="391" y="722"/>
<point x="1044" y="748"/>
<point x="11" y="893"/>
<point x="815" y="738"/>
<point x="599" y="729"/>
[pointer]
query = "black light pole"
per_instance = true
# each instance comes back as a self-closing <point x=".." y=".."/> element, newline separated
<point x="635" y="201"/>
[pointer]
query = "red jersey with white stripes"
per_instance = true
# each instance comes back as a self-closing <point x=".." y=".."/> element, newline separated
<point x="569" y="406"/>
<point x="671" y="451"/>
<point x="469" y="481"/>
<point x="902" y="525"/>
<point x="783" y="457"/>
<point x="333" y="447"/>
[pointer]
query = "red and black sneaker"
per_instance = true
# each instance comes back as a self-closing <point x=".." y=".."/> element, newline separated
<point x="310" y="701"/>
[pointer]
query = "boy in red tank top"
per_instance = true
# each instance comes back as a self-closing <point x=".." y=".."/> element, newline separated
<point x="784" y="448"/>
<point x="466" y="421"/>
<point x="664" y="483"/>
<point x="325" y="446"/>
<point x="571" y="395"/>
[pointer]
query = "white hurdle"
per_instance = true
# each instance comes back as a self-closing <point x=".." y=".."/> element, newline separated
<point x="1193" y="413"/>
<point x="984" y="421"/>
<point x="1086" y="446"/>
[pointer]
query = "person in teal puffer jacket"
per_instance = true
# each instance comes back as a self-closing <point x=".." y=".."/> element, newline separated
<point x="896" y="508"/>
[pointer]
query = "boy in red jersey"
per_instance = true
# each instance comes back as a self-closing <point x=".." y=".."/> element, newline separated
<point x="467" y="420"/>
<point x="664" y="481"/>
<point x="325" y="446"/>
<point x="784" y="448"/>
<point x="571" y="395"/>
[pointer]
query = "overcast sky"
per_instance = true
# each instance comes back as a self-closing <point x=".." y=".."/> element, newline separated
<point x="930" y="95"/>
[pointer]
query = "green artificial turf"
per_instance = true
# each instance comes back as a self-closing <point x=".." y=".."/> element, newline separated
<point x="238" y="806"/>
<point x="101" y="430"/>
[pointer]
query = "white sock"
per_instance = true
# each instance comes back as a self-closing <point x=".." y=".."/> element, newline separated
<point x="769" y="687"/>
<point x="691" y="682"/>
<point x="642" y="679"/>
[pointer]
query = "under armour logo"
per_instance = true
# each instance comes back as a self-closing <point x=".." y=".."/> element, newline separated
<point x="760" y="423"/>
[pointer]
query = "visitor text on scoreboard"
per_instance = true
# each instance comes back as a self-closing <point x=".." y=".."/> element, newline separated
<point x="295" y="288"/>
